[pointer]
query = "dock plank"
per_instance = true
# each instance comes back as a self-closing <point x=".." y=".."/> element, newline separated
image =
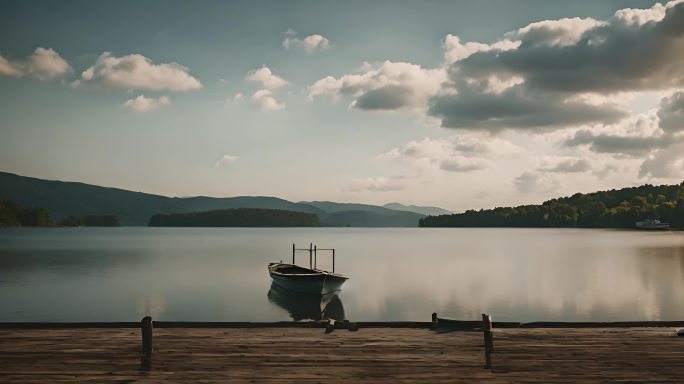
<point x="309" y="355"/>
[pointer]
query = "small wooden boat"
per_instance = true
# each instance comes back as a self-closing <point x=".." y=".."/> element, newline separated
<point x="306" y="280"/>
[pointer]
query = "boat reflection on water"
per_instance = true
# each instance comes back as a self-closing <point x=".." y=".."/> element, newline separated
<point x="305" y="306"/>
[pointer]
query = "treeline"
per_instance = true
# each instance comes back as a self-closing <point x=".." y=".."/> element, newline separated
<point x="606" y="209"/>
<point x="14" y="215"/>
<point x="237" y="217"/>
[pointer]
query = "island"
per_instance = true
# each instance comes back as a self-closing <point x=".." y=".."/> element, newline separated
<point x="237" y="217"/>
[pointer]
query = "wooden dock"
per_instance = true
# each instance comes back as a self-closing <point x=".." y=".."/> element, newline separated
<point x="310" y="355"/>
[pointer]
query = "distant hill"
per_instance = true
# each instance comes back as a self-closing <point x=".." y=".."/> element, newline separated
<point x="238" y="217"/>
<point x="72" y="199"/>
<point x="364" y="215"/>
<point x="620" y="208"/>
<point x="64" y="199"/>
<point x="359" y="218"/>
<point x="427" y="211"/>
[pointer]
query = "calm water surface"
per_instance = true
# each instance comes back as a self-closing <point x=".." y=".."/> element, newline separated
<point x="122" y="274"/>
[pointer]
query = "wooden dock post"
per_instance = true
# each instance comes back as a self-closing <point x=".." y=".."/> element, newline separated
<point x="293" y="253"/>
<point x="488" y="339"/>
<point x="146" y="330"/>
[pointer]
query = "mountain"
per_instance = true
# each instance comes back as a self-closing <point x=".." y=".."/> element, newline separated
<point x="65" y="199"/>
<point x="427" y="211"/>
<point x="364" y="215"/>
<point x="361" y="218"/>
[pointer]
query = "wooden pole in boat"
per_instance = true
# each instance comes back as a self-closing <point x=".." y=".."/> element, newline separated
<point x="293" y="253"/>
<point x="315" y="257"/>
<point x="310" y="254"/>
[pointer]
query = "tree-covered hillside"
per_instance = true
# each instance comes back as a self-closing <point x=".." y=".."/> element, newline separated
<point x="238" y="217"/>
<point x="606" y="209"/>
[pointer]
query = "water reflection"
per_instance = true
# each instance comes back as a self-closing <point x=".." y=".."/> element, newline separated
<point x="306" y="306"/>
<point x="220" y="274"/>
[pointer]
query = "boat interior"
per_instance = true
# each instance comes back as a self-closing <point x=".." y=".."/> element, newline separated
<point x="290" y="269"/>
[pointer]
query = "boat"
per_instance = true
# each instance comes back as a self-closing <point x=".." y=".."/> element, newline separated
<point x="306" y="280"/>
<point x="651" y="224"/>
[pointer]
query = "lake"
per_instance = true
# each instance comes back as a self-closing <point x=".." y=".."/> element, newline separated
<point x="220" y="274"/>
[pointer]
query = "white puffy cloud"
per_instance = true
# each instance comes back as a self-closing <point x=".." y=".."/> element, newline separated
<point x="137" y="72"/>
<point x="266" y="78"/>
<point x="225" y="160"/>
<point x="43" y="64"/>
<point x="309" y="44"/>
<point x="386" y="86"/>
<point x="378" y="184"/>
<point x="638" y="17"/>
<point x="563" y="32"/>
<point x="455" y="50"/>
<point x="9" y="69"/>
<point x="265" y="100"/>
<point x="144" y="104"/>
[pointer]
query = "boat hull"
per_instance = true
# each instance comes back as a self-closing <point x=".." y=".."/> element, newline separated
<point x="316" y="282"/>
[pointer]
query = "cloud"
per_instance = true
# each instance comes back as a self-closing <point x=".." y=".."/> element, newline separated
<point x="639" y="134"/>
<point x="144" y="104"/>
<point x="665" y="163"/>
<point x="462" y="153"/>
<point x="309" y="44"/>
<point x="558" y="33"/>
<point x="137" y="72"/>
<point x="565" y="165"/>
<point x="671" y="113"/>
<point x="43" y="64"/>
<point x="531" y="182"/>
<point x="594" y="56"/>
<point x="378" y="184"/>
<point x="9" y="69"/>
<point x="516" y="107"/>
<point x="225" y="160"/>
<point x="462" y="164"/>
<point x="546" y="76"/>
<point x="386" y="86"/>
<point x="265" y="100"/>
<point x="455" y="50"/>
<point x="267" y="79"/>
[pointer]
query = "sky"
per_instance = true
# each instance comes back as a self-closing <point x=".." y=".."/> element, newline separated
<point x="457" y="104"/>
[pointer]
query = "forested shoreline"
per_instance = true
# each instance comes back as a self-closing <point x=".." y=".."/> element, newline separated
<point x="237" y="217"/>
<point x="14" y="215"/>
<point x="605" y="209"/>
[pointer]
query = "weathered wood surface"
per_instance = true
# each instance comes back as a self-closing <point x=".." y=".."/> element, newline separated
<point x="309" y="355"/>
